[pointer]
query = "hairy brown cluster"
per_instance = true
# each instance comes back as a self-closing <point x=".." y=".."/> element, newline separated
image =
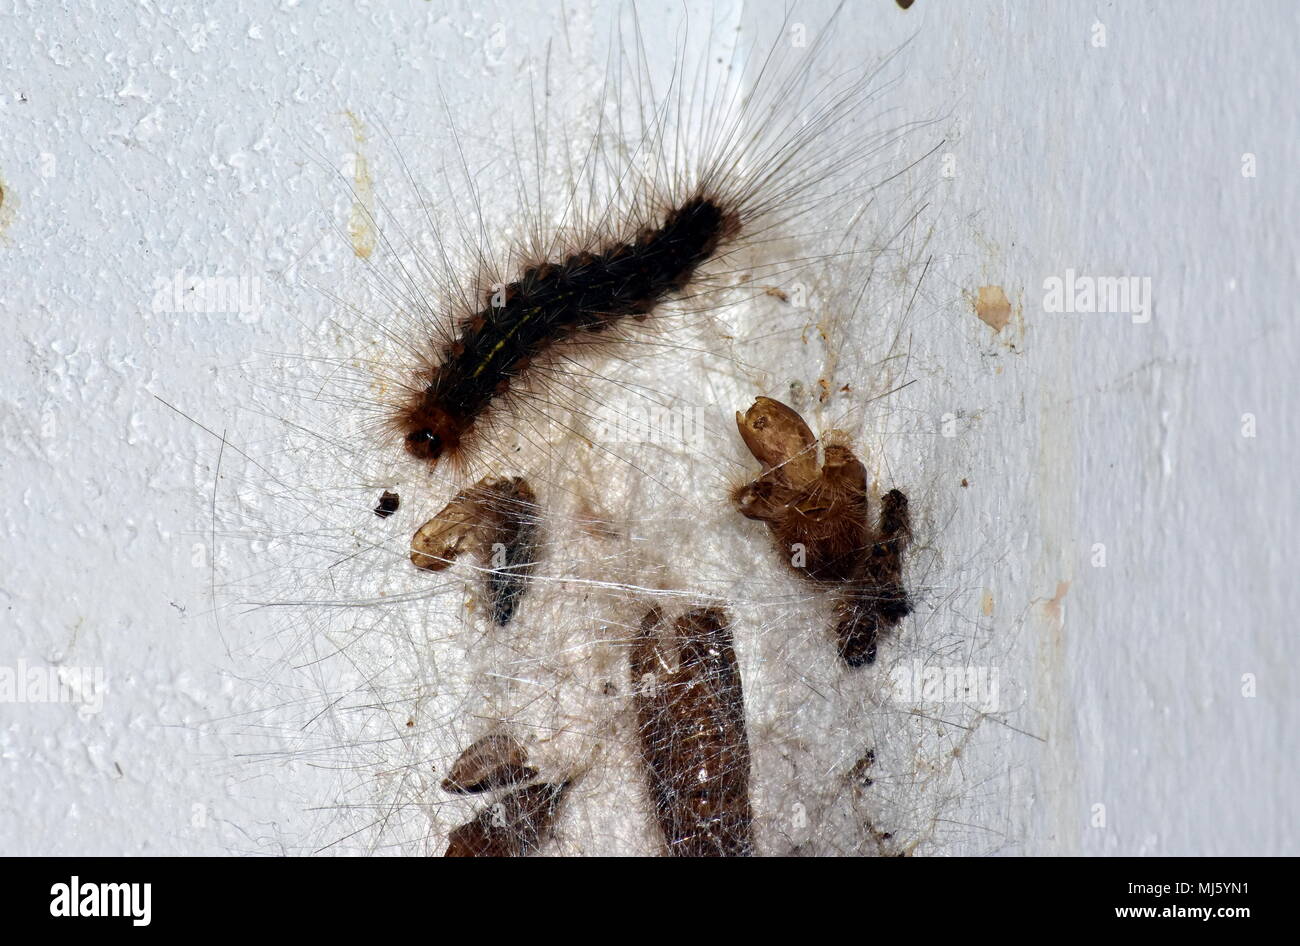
<point x="874" y="600"/>
<point x="496" y="521"/>
<point x="512" y="826"/>
<point x="494" y="761"/>
<point x="690" y="712"/>
<point x="819" y="516"/>
<point x="516" y="823"/>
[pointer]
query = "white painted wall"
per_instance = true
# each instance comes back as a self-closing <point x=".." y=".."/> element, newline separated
<point x="138" y="142"/>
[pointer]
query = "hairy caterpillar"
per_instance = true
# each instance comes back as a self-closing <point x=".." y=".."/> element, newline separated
<point x="423" y="667"/>
<point x="685" y="188"/>
<point x="585" y="294"/>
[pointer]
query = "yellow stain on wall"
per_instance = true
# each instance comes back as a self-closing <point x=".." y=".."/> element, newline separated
<point x="7" y="205"/>
<point x="993" y="307"/>
<point x="361" y="220"/>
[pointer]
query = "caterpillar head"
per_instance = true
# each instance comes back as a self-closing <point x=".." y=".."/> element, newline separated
<point x="429" y="432"/>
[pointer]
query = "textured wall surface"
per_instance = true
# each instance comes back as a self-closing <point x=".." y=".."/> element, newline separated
<point x="1119" y="508"/>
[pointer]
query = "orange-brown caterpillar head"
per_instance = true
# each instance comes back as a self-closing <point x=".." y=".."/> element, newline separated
<point x="429" y="431"/>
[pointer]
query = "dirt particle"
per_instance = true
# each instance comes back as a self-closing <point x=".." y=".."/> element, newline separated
<point x="860" y="769"/>
<point x="388" y="504"/>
